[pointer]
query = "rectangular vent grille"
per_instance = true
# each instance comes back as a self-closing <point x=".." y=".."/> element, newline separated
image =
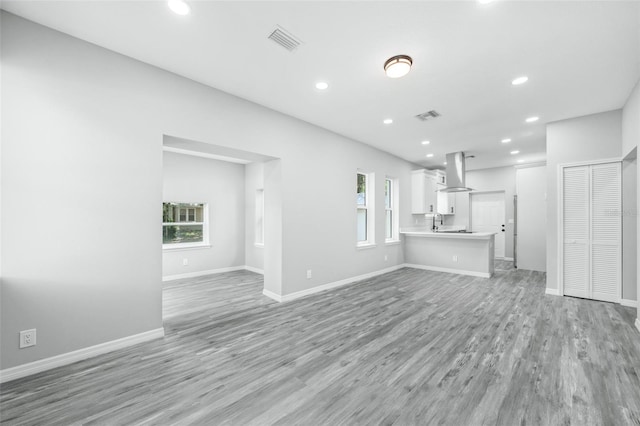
<point x="429" y="115"/>
<point x="285" y="39"/>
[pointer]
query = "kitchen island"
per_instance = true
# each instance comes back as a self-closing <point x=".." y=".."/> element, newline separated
<point x="468" y="253"/>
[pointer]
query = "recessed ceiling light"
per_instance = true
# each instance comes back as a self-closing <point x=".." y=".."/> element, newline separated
<point x="429" y="155"/>
<point x="532" y="119"/>
<point x="179" y="7"/>
<point x="426" y="142"/>
<point x="398" y="66"/>
<point x="520" y="161"/>
<point x="515" y="152"/>
<point x="507" y="140"/>
<point x="484" y="1"/>
<point x="445" y="163"/>
<point x="387" y="121"/>
<point x="321" y="85"/>
<point x="520" y="80"/>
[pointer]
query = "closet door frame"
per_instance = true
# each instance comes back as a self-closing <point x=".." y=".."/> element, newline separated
<point x="560" y="207"/>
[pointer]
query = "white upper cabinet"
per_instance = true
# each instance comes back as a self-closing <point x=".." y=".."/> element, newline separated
<point x="423" y="192"/>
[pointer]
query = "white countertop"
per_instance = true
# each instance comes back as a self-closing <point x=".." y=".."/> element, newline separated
<point x="459" y="235"/>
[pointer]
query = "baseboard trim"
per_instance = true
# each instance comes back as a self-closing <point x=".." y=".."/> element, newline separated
<point x="252" y="269"/>
<point x="638" y="323"/>
<point x="448" y="270"/>
<point x="272" y="295"/>
<point x="39" y="366"/>
<point x="202" y="273"/>
<point x="328" y="286"/>
<point x="552" y="292"/>
<point x="628" y="302"/>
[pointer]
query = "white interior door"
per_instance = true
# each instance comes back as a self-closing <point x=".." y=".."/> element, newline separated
<point x="575" y="205"/>
<point x="487" y="215"/>
<point x="592" y="227"/>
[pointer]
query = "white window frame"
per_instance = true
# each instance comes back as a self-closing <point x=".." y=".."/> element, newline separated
<point x="393" y="208"/>
<point x="259" y="219"/>
<point x="205" y="228"/>
<point x="369" y="208"/>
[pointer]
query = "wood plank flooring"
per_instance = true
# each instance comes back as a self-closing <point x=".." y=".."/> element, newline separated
<point x="406" y="348"/>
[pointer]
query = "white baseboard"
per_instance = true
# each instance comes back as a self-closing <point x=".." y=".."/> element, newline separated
<point x="449" y="270"/>
<point x="628" y="302"/>
<point x="272" y="295"/>
<point x="552" y="291"/>
<point x="328" y="286"/>
<point x="252" y="269"/>
<point x="79" y="355"/>
<point x="638" y="323"/>
<point x="202" y="273"/>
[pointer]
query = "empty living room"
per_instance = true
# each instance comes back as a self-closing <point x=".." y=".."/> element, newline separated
<point x="319" y="213"/>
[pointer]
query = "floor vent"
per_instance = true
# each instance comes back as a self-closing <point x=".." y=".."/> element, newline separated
<point x="429" y="115"/>
<point x="285" y="39"/>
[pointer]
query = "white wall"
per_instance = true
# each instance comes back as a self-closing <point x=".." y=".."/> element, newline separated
<point x="630" y="140"/>
<point x="254" y="180"/>
<point x="531" y="187"/>
<point x="629" y="226"/>
<point x="495" y="179"/>
<point x="82" y="132"/>
<point x="220" y="184"/>
<point x="588" y="138"/>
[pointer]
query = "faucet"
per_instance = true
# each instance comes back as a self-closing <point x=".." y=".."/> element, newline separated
<point x="434" y="228"/>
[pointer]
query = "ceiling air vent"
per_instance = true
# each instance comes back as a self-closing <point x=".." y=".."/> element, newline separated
<point x="429" y="115"/>
<point x="285" y="39"/>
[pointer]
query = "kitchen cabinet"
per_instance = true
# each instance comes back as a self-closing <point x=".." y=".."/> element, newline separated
<point x="423" y="192"/>
<point x="446" y="201"/>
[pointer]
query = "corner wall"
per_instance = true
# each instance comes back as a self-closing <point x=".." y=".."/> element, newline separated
<point x="589" y="138"/>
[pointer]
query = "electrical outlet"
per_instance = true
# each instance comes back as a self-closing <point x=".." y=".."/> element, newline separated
<point x="455" y="258"/>
<point x="27" y="338"/>
<point x="185" y="261"/>
<point x="308" y="273"/>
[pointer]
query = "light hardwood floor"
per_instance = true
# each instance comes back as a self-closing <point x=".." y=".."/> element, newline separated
<point x="409" y="347"/>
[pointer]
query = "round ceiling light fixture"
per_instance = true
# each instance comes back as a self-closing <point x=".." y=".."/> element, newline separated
<point x="179" y="7"/>
<point x="398" y="66"/>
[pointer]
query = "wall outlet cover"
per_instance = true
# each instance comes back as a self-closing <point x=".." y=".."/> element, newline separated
<point x="27" y="338"/>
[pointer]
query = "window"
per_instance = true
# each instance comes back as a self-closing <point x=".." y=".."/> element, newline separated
<point x="391" y="210"/>
<point x="259" y="229"/>
<point x="184" y="225"/>
<point x="364" y="205"/>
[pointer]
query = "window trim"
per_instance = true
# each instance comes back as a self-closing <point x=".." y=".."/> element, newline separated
<point x="205" y="228"/>
<point x="394" y="209"/>
<point x="369" y="208"/>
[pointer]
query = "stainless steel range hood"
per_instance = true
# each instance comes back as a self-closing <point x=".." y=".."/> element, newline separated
<point x="456" y="173"/>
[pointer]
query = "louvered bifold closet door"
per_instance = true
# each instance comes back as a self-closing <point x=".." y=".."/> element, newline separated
<point x="575" y="272"/>
<point x="606" y="230"/>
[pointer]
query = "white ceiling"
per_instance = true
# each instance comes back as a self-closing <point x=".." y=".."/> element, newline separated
<point x="581" y="58"/>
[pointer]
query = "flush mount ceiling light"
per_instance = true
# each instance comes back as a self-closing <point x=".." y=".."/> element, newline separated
<point x="398" y="66"/>
<point x="507" y="140"/>
<point x="531" y="119"/>
<point x="515" y="152"/>
<point x="387" y="121"/>
<point x="179" y="7"/>
<point x="520" y="80"/>
<point x="429" y="155"/>
<point x="425" y="142"/>
<point x="321" y="85"/>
